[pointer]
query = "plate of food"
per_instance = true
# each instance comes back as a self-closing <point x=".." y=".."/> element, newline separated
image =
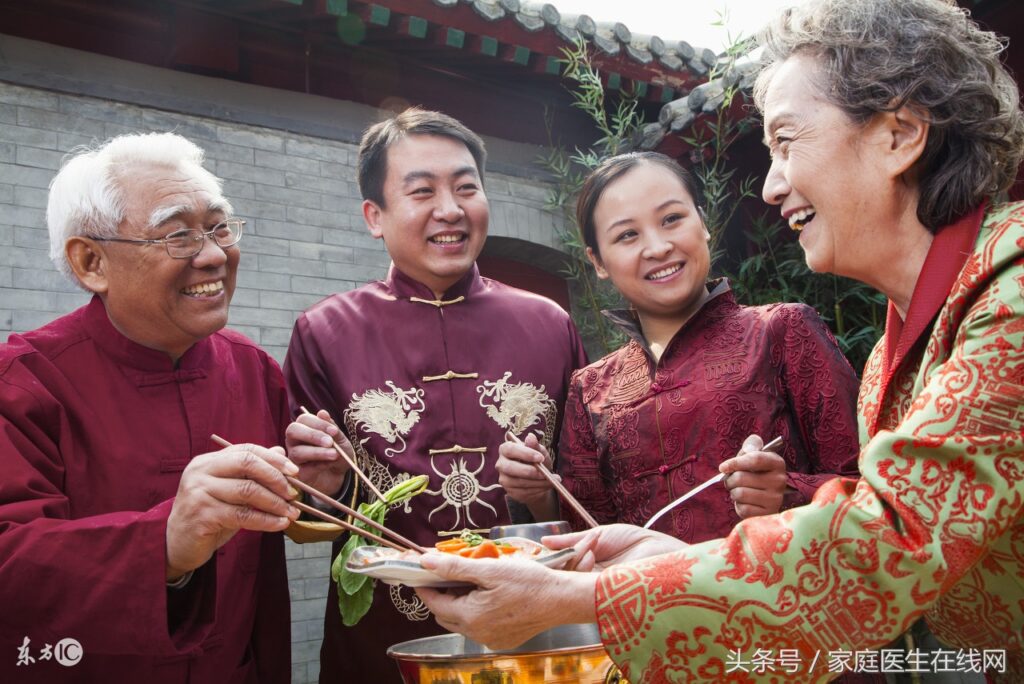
<point x="403" y="567"/>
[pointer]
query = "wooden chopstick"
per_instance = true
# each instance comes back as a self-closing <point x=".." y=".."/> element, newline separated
<point x="354" y="513"/>
<point x="354" y="529"/>
<point x="569" y="498"/>
<point x="317" y="494"/>
<point x="359" y="473"/>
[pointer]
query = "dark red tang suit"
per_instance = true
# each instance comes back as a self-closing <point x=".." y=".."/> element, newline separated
<point x="95" y="431"/>
<point x="638" y="434"/>
<point x="428" y="386"/>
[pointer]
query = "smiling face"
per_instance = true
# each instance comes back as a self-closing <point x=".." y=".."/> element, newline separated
<point x="158" y="301"/>
<point x="435" y="213"/>
<point x="652" y="242"/>
<point x="828" y="174"/>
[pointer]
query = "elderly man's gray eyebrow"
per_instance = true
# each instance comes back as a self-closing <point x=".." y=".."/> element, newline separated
<point x="162" y="215"/>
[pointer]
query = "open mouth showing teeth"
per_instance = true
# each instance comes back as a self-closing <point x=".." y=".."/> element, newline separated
<point x="448" y="239"/>
<point x="799" y="219"/>
<point x="204" y="289"/>
<point x="665" y="272"/>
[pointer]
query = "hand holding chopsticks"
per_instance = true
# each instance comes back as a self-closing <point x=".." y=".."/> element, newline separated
<point x="771" y="446"/>
<point x="354" y="529"/>
<point x="562" y="491"/>
<point x="351" y="462"/>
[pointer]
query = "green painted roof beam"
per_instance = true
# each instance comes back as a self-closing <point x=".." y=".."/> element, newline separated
<point x="455" y="38"/>
<point x="417" y="27"/>
<point x="379" y="16"/>
<point x="489" y="46"/>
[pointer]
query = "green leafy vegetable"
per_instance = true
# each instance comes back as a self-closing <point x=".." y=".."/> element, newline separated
<point x="355" y="591"/>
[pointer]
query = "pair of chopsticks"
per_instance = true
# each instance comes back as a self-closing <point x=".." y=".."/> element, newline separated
<point x="566" y="496"/>
<point x="770" y="446"/>
<point x="354" y="529"/>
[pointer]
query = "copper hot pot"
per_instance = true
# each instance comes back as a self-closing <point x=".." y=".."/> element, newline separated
<point x="569" y="653"/>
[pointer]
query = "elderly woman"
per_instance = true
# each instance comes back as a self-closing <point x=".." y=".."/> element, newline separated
<point x="893" y="130"/>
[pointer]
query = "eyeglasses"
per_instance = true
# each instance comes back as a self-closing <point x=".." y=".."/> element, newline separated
<point x="185" y="244"/>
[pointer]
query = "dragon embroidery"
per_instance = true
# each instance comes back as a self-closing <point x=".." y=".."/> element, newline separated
<point x="388" y="414"/>
<point x="518" y="406"/>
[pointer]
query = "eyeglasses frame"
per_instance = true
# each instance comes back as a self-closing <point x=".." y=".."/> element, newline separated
<point x="204" y="233"/>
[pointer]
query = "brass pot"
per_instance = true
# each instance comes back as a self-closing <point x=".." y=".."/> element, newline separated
<point x="569" y="653"/>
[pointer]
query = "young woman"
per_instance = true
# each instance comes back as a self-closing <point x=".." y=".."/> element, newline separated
<point x="699" y="376"/>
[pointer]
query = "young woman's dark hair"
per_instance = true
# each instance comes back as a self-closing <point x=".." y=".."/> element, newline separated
<point x="612" y="169"/>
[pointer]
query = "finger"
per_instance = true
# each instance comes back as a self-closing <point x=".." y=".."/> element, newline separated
<point x="518" y="453"/>
<point x="300" y="455"/>
<point x="587" y="563"/>
<point x="587" y="545"/>
<point x="519" y="471"/>
<point x="436" y="600"/>
<point x="758" y="498"/>
<point x="246" y="518"/>
<point x="564" y="541"/>
<point x="752" y="443"/>
<point x="772" y="481"/>
<point x="332" y="427"/>
<point x="207" y="511"/>
<point x="252" y="462"/>
<point x="308" y="430"/>
<point x="757" y="462"/>
<point x="449" y="566"/>
<point x="243" y="493"/>
<point x="745" y="511"/>
<point x="533" y="441"/>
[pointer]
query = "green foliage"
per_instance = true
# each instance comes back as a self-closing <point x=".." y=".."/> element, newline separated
<point x="355" y="590"/>
<point x="776" y="272"/>
<point x="616" y="130"/>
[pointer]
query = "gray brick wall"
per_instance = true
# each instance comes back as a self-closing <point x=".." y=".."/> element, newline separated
<point x="305" y="239"/>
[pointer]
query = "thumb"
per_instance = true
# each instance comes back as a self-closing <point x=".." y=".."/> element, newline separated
<point x="752" y="443"/>
<point x="563" y="541"/>
<point x="452" y="567"/>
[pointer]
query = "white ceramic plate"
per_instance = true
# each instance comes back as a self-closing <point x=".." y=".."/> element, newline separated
<point x="387" y="566"/>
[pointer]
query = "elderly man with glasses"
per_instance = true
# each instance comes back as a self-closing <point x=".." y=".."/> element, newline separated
<point x="120" y="527"/>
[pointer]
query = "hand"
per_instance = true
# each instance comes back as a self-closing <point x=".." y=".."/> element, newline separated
<point x="514" y="599"/>
<point x="756" y="479"/>
<point x="308" y="440"/>
<point x="608" y="545"/>
<point x="242" y="487"/>
<point x="519" y="476"/>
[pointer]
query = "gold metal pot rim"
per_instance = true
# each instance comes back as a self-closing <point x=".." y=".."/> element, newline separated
<point x="452" y="647"/>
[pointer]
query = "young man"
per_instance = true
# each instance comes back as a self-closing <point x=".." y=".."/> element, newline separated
<point x="129" y="548"/>
<point x="427" y="370"/>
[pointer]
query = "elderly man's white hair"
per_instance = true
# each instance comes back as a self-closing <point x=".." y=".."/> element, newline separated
<point x="87" y="197"/>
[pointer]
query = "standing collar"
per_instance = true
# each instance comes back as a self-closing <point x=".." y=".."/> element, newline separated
<point x="946" y="257"/>
<point x="404" y="287"/>
<point x="129" y="353"/>
<point x="628" y="321"/>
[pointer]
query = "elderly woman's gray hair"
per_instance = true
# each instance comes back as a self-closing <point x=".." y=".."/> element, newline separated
<point x="87" y="196"/>
<point x="879" y="55"/>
